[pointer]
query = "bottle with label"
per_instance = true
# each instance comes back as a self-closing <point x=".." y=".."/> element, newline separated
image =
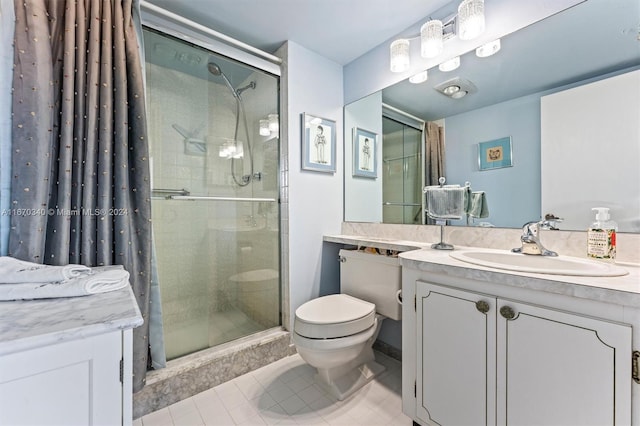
<point x="601" y="236"/>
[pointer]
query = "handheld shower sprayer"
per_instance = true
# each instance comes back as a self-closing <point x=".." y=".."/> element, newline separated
<point x="245" y="179"/>
<point x="216" y="70"/>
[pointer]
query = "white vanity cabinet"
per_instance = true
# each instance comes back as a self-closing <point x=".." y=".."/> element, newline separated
<point x="535" y="365"/>
<point x="556" y="367"/>
<point x="71" y="383"/>
<point x="68" y="361"/>
<point x="456" y="370"/>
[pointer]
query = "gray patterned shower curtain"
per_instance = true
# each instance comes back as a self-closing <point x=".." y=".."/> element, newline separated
<point x="434" y="157"/>
<point x="434" y="153"/>
<point x="79" y="150"/>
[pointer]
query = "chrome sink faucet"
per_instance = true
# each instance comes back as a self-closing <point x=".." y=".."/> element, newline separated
<point x="531" y="238"/>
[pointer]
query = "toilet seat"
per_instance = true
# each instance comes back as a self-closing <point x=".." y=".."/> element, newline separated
<point x="333" y="316"/>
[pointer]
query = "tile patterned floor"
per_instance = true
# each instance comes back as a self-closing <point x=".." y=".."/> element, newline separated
<point x="284" y="393"/>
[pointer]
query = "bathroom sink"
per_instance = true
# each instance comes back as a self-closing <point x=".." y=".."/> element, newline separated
<point x="561" y="265"/>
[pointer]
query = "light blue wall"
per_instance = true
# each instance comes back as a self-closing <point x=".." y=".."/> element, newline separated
<point x="311" y="84"/>
<point x="364" y="194"/>
<point x="513" y="193"/>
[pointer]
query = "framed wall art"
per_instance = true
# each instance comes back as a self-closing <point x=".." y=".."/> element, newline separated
<point x="318" y="144"/>
<point x="495" y="154"/>
<point x="365" y="144"/>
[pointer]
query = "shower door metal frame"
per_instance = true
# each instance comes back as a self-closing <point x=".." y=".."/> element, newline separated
<point x="187" y="31"/>
<point x="191" y="34"/>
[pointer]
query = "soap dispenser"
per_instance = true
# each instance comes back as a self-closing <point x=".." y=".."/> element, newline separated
<point x="601" y="236"/>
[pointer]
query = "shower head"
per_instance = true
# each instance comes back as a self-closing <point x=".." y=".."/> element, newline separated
<point x="216" y="70"/>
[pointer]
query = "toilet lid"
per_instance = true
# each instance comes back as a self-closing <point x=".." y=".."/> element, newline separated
<point x="336" y="315"/>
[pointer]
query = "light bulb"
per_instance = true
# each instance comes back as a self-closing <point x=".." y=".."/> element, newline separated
<point x="431" y="43"/>
<point x="400" y="55"/>
<point x="470" y="19"/>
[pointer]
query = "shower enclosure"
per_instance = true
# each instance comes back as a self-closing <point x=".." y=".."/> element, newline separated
<point x="401" y="171"/>
<point x="213" y="134"/>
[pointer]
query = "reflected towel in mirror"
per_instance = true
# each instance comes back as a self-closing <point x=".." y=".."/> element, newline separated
<point x="446" y="202"/>
<point x="478" y="206"/>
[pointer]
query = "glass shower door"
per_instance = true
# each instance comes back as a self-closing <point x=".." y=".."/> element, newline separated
<point x="402" y="168"/>
<point x="215" y="191"/>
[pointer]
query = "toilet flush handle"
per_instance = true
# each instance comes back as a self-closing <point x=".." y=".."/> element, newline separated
<point x="342" y="259"/>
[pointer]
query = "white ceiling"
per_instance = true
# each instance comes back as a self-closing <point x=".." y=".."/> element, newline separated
<point x="340" y="30"/>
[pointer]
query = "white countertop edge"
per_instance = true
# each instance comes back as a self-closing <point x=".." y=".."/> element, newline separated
<point x="623" y="290"/>
<point x="22" y="332"/>
<point x="32" y="342"/>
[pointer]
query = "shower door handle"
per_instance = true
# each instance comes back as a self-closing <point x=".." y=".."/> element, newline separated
<point x="208" y="198"/>
<point x="170" y="192"/>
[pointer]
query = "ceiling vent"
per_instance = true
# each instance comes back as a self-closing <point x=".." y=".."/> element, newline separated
<point x="456" y="88"/>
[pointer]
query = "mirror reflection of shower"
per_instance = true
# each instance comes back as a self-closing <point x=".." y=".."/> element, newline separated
<point x="245" y="179"/>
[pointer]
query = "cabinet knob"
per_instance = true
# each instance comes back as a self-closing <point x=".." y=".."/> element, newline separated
<point x="507" y="312"/>
<point x="482" y="306"/>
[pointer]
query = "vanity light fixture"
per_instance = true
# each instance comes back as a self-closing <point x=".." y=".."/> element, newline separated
<point x="468" y="24"/>
<point x="400" y="61"/>
<point x="421" y="77"/>
<point x="450" y="65"/>
<point x="431" y="39"/>
<point x="470" y="19"/>
<point x="488" y="49"/>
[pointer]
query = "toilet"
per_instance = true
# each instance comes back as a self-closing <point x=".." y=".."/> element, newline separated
<point x="335" y="333"/>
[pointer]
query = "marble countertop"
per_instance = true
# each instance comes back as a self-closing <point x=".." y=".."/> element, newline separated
<point x="34" y="323"/>
<point x="622" y="290"/>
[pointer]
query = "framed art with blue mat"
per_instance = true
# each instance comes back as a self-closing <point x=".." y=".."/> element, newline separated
<point x="365" y="146"/>
<point x="495" y="154"/>
<point x="318" y="144"/>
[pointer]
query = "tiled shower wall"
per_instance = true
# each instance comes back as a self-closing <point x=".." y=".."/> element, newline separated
<point x="197" y="242"/>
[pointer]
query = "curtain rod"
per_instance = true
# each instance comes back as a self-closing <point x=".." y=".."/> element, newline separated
<point x="223" y="37"/>
<point x="406" y="114"/>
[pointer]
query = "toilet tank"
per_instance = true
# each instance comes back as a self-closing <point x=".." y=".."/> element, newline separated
<point x="372" y="277"/>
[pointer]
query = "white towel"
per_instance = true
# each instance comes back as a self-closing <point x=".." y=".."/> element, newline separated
<point x="19" y="271"/>
<point x="101" y="280"/>
<point x="448" y="202"/>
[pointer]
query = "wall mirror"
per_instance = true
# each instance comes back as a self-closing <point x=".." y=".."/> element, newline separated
<point x="590" y="42"/>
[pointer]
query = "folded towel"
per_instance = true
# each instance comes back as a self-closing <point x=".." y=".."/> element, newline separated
<point x="447" y="202"/>
<point x="100" y="280"/>
<point x="478" y="206"/>
<point x="19" y="271"/>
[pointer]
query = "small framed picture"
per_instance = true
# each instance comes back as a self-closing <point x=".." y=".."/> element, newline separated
<point x="318" y="144"/>
<point x="495" y="154"/>
<point x="365" y="144"/>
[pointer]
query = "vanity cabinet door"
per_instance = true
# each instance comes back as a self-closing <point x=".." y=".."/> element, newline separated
<point x="75" y="382"/>
<point x="556" y="368"/>
<point x="456" y="356"/>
